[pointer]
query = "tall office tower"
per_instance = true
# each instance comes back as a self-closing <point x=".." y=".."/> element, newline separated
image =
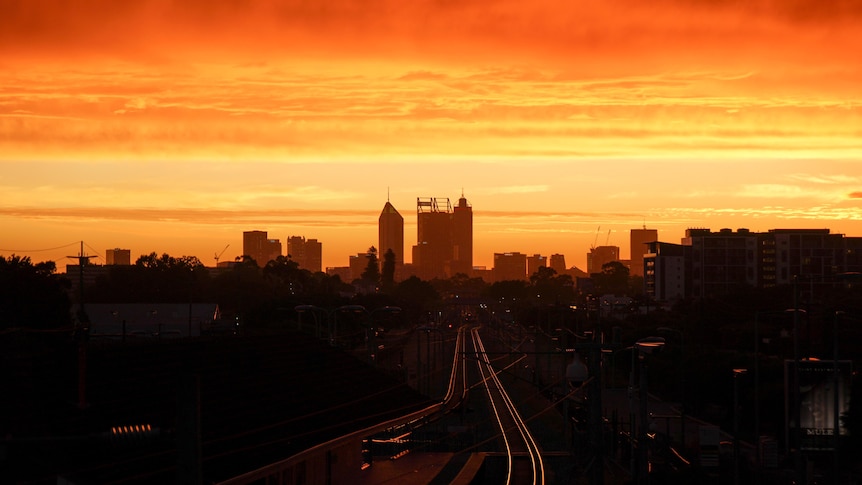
<point x="256" y="245"/>
<point x="535" y="262"/>
<point x="462" y="238"/>
<point x="510" y="266"/>
<point x="118" y="256"/>
<point x="307" y="253"/>
<point x="601" y="255"/>
<point x="639" y="239"/>
<point x="390" y="231"/>
<point x="558" y="263"/>
<point x="314" y="255"/>
<point x="433" y="248"/>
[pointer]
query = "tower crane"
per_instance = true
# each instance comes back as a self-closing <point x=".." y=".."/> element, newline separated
<point x="218" y="255"/>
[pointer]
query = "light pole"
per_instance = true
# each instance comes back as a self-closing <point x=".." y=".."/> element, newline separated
<point x="640" y="461"/>
<point x="736" y="374"/>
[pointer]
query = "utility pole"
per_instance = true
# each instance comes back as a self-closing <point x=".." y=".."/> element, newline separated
<point x="83" y="260"/>
<point x="81" y="330"/>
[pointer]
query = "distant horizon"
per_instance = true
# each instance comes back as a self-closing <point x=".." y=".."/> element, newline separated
<point x="64" y="254"/>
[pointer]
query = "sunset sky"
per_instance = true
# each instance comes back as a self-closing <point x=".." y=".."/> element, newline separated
<point x="173" y="126"/>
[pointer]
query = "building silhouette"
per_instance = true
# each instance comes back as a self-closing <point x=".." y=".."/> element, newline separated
<point x="462" y="238"/>
<point x="119" y="257"/>
<point x="259" y="247"/>
<point x="638" y="239"/>
<point x="665" y="271"/>
<point x="719" y="263"/>
<point x="444" y="238"/>
<point x="390" y="229"/>
<point x="510" y="266"/>
<point x="535" y="262"/>
<point x="307" y="253"/>
<point x="601" y="255"/>
<point x="558" y="263"/>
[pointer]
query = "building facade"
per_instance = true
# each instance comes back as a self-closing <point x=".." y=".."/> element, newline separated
<point x="462" y="238"/>
<point x="119" y="257"/>
<point x="721" y="262"/>
<point x="307" y="253"/>
<point x="558" y="263"/>
<point x="390" y="232"/>
<point x="601" y="255"/>
<point x="510" y="266"/>
<point x="259" y="247"/>
<point x="444" y="238"/>
<point x="638" y="239"/>
<point x="535" y="262"/>
<point x="664" y="270"/>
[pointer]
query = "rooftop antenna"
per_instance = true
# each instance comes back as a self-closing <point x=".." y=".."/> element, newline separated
<point x="387" y="193"/>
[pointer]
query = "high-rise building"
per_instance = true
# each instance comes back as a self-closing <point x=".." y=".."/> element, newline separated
<point x="117" y="256"/>
<point x="256" y="245"/>
<point x="719" y="263"/>
<point x="307" y="253"/>
<point x="638" y="247"/>
<point x="390" y="231"/>
<point x="510" y="266"/>
<point x="444" y="238"/>
<point x="462" y="238"/>
<point x="665" y="270"/>
<point x="535" y="262"/>
<point x="601" y="255"/>
<point x="558" y="263"/>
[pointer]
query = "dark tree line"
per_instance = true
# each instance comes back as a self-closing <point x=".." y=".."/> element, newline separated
<point x="32" y="295"/>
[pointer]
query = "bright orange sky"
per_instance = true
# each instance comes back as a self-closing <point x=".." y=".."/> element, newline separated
<point x="174" y="126"/>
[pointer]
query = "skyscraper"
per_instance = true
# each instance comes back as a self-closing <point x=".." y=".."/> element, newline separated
<point x="256" y="245"/>
<point x="535" y="262"/>
<point x="390" y="229"/>
<point x="639" y="239"/>
<point x="307" y="253"/>
<point x="444" y="239"/>
<point x="462" y="238"/>
<point x="558" y="263"/>
<point x="433" y="237"/>
<point x="510" y="266"/>
<point x="599" y="256"/>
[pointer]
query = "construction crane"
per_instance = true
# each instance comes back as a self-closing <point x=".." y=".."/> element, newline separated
<point x="608" y="239"/>
<point x="218" y="255"/>
<point x="596" y="239"/>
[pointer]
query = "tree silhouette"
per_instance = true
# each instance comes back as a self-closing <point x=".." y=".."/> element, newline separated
<point x="32" y="296"/>
<point x="614" y="279"/>
<point x="371" y="275"/>
<point x="387" y="274"/>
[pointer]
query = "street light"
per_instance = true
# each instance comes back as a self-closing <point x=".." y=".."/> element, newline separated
<point x="641" y="348"/>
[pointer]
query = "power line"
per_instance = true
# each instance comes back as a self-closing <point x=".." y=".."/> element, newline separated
<point x="40" y="250"/>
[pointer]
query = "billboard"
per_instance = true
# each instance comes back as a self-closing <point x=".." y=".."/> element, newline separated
<point x="820" y="389"/>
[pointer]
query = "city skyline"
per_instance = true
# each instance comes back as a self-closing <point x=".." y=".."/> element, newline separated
<point x="174" y="127"/>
